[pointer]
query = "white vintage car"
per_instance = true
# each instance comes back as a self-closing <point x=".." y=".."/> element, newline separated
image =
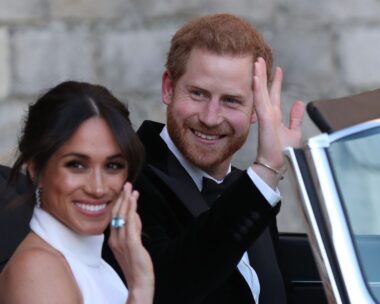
<point x="338" y="177"/>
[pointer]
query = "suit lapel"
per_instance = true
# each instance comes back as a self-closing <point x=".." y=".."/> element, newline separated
<point x="168" y="169"/>
<point x="189" y="196"/>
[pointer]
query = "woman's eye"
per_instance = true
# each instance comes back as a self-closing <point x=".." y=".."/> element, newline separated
<point x="75" y="164"/>
<point x="116" y="166"/>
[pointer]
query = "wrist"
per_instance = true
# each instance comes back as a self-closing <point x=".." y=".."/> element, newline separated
<point x="270" y="173"/>
<point x="279" y="172"/>
<point x="140" y="295"/>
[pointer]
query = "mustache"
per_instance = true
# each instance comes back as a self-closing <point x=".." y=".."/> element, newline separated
<point x="223" y="129"/>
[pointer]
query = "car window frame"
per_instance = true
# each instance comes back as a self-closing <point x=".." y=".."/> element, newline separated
<point x="330" y="235"/>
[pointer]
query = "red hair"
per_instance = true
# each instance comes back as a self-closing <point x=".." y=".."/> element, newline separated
<point x="222" y="34"/>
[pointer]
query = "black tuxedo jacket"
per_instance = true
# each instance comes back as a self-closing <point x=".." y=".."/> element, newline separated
<point x="196" y="249"/>
<point x="15" y="213"/>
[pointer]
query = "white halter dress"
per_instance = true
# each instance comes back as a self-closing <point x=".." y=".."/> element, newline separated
<point x="98" y="282"/>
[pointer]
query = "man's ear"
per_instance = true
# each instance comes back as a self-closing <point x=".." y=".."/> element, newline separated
<point x="167" y="88"/>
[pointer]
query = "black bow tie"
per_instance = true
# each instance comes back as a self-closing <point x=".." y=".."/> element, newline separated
<point x="211" y="190"/>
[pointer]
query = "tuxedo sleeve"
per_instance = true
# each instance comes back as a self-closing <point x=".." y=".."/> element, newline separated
<point x="194" y="256"/>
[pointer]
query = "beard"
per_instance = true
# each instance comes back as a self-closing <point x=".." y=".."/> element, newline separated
<point x="206" y="157"/>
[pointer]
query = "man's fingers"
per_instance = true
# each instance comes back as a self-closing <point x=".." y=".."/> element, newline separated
<point x="296" y="115"/>
<point x="260" y="72"/>
<point x="263" y="97"/>
<point x="275" y="91"/>
<point x="260" y="95"/>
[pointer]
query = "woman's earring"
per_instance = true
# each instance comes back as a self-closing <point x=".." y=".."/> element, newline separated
<point x="38" y="197"/>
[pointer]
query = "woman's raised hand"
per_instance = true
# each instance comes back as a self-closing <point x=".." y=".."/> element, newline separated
<point x="125" y="242"/>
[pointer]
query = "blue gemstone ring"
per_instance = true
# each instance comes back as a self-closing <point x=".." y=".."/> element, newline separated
<point x="117" y="222"/>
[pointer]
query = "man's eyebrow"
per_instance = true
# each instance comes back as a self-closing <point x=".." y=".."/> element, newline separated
<point x="193" y="86"/>
<point x="234" y="96"/>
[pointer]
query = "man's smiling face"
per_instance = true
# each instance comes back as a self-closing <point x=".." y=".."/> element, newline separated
<point x="210" y="108"/>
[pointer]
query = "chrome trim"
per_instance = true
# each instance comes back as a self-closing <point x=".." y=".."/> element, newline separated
<point x="324" y="140"/>
<point x="303" y="282"/>
<point x="334" y="215"/>
<point x="374" y="284"/>
<point x="319" y="141"/>
<point x="371" y="124"/>
<point x="314" y="233"/>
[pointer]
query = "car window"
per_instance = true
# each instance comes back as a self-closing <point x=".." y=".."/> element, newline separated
<point x="355" y="161"/>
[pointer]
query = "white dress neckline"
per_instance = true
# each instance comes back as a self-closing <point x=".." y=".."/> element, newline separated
<point x="98" y="282"/>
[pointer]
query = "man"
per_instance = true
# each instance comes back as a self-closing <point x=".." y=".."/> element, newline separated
<point x="215" y="250"/>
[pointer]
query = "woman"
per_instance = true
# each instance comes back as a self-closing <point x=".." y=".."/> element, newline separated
<point x="79" y="149"/>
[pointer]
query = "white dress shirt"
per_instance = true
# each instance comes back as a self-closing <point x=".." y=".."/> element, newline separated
<point x="273" y="197"/>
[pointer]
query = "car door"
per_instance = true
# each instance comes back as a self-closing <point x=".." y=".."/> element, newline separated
<point x="338" y="177"/>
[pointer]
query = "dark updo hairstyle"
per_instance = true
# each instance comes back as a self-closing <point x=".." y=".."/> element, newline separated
<point x="54" y="118"/>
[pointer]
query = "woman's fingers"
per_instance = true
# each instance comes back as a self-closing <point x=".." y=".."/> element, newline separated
<point x="124" y="207"/>
<point x="133" y="220"/>
<point x="126" y="244"/>
<point x="132" y="203"/>
<point x="118" y="204"/>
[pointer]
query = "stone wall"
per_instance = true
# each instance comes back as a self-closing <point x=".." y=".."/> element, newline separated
<point x="327" y="48"/>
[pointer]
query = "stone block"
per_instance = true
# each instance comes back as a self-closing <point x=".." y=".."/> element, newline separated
<point x="133" y="60"/>
<point x="165" y="8"/>
<point x="91" y="9"/>
<point x="44" y="56"/>
<point x="20" y="10"/>
<point x="142" y="107"/>
<point x="359" y="55"/>
<point x="4" y="62"/>
<point x="257" y="11"/>
<point x="330" y="11"/>
<point x="11" y="117"/>
<point x="307" y="59"/>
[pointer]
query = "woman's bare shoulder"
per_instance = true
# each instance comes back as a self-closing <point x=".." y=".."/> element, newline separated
<point x="38" y="273"/>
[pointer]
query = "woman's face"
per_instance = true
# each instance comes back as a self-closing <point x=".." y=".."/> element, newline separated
<point x="83" y="178"/>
